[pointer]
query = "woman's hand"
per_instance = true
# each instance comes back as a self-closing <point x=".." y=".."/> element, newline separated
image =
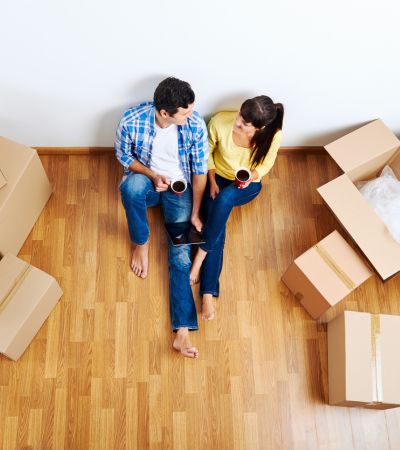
<point x="214" y="189"/>
<point x="254" y="176"/>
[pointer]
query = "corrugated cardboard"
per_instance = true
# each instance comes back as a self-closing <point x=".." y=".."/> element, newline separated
<point x="27" y="296"/>
<point x="362" y="155"/>
<point x="324" y="275"/>
<point x="363" y="360"/>
<point x="23" y="197"/>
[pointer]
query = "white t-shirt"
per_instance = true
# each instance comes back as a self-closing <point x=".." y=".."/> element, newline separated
<point x="165" y="156"/>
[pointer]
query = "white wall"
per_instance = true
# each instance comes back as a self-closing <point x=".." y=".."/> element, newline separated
<point x="68" y="69"/>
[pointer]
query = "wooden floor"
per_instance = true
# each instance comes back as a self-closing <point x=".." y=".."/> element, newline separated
<point x="101" y="373"/>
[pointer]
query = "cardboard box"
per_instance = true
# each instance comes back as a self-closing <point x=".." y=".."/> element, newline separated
<point x="362" y="155"/>
<point x="363" y="360"/>
<point x="324" y="275"/>
<point x="23" y="196"/>
<point x="27" y="296"/>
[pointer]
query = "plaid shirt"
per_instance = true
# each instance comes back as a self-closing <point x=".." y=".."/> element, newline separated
<point x="135" y="136"/>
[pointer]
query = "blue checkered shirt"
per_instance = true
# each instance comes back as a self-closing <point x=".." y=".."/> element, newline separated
<point x="136" y="132"/>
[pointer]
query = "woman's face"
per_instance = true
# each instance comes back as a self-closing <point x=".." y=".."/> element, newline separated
<point x="242" y="127"/>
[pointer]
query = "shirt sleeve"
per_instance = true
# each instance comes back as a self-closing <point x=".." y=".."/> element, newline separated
<point x="269" y="160"/>
<point x="123" y="144"/>
<point x="212" y="142"/>
<point x="200" y="150"/>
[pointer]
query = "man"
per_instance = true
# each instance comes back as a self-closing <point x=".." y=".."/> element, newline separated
<point x="157" y="142"/>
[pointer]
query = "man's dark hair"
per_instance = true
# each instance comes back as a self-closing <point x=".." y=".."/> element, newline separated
<point x="172" y="94"/>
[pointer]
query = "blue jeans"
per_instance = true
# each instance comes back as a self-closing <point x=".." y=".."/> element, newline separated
<point x="138" y="193"/>
<point x="216" y="213"/>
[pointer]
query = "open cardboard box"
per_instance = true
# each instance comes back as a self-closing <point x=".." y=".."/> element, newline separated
<point x="362" y="155"/>
<point x="24" y="191"/>
<point x="27" y="296"/>
<point x="323" y="276"/>
<point x="363" y="360"/>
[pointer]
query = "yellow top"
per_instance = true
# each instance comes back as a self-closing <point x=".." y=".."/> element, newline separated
<point x="226" y="157"/>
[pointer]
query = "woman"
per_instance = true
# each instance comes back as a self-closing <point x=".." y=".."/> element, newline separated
<point x="249" y="138"/>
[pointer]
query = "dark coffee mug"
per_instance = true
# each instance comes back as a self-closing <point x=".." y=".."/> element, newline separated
<point x="179" y="186"/>
<point x="242" y="177"/>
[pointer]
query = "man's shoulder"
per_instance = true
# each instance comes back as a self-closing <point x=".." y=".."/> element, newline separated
<point x="139" y="112"/>
<point x="196" y="121"/>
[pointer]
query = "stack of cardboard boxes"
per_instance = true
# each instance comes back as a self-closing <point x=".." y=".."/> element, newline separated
<point x="362" y="356"/>
<point x="27" y="294"/>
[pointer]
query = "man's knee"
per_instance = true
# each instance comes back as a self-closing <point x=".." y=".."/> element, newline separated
<point x="179" y="257"/>
<point x="135" y="186"/>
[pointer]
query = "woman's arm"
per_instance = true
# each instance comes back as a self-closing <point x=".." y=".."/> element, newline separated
<point x="214" y="189"/>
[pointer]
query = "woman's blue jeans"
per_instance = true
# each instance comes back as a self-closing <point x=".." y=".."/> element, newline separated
<point x="216" y="213"/>
<point x="138" y="193"/>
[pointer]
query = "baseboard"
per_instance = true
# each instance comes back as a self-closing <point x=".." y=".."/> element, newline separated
<point x="109" y="150"/>
<point x="74" y="150"/>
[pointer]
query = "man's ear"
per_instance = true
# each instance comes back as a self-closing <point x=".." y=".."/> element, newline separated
<point x="163" y="113"/>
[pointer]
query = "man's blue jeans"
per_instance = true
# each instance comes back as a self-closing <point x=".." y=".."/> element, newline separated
<point x="138" y="193"/>
<point x="216" y="213"/>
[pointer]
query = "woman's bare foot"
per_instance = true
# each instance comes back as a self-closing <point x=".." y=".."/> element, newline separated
<point x="196" y="266"/>
<point x="182" y="344"/>
<point x="207" y="307"/>
<point x="140" y="260"/>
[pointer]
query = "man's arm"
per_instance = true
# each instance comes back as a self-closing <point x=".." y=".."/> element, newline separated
<point x="199" y="185"/>
<point x="161" y="183"/>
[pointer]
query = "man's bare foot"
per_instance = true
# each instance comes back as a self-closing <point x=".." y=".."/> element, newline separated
<point x="196" y="266"/>
<point x="182" y="344"/>
<point x="207" y="307"/>
<point x="140" y="260"/>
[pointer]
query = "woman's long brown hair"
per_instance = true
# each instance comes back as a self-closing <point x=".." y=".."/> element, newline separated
<point x="267" y="116"/>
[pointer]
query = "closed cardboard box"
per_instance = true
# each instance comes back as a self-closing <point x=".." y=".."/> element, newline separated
<point x="324" y="275"/>
<point x="362" y="155"/>
<point x="24" y="191"/>
<point x="27" y="296"/>
<point x="364" y="360"/>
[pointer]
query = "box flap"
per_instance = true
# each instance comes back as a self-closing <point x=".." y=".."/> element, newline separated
<point x="363" y="225"/>
<point x="350" y="359"/>
<point x="363" y="144"/>
<point x="11" y="270"/>
<point x="3" y="180"/>
<point x="25" y="309"/>
<point x="358" y="356"/>
<point x="345" y="258"/>
<point x="322" y="277"/>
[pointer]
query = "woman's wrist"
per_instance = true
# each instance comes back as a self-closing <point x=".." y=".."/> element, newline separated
<point x="254" y="175"/>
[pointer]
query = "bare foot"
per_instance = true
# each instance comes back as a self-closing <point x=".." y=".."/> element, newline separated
<point x="140" y="260"/>
<point x="182" y="344"/>
<point x="207" y="307"/>
<point x="196" y="266"/>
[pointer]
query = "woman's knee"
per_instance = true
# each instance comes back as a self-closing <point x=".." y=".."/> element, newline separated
<point x="226" y="197"/>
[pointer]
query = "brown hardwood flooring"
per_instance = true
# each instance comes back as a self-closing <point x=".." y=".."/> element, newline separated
<point x="101" y="373"/>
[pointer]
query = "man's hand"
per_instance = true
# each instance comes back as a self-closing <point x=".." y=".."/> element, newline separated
<point x="196" y="222"/>
<point x="214" y="189"/>
<point x="161" y="183"/>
